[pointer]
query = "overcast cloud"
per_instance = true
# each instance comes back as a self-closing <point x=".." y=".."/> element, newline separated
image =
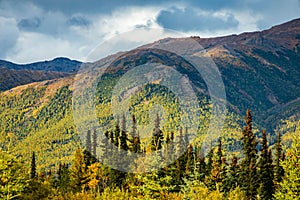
<point x="44" y="29"/>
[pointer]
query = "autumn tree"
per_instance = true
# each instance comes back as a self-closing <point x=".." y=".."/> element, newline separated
<point x="288" y="188"/>
<point x="78" y="171"/>
<point x="13" y="181"/>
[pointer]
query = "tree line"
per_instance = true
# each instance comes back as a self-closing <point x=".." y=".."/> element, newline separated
<point x="257" y="174"/>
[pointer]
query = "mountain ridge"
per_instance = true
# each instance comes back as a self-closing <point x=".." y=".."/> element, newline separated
<point x="251" y="65"/>
<point x="59" y="64"/>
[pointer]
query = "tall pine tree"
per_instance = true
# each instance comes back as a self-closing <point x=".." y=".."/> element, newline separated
<point x="248" y="176"/>
<point x="117" y="133"/>
<point x="278" y="170"/>
<point x="136" y="143"/>
<point x="266" y="187"/>
<point x="94" y="143"/>
<point x="123" y="137"/>
<point x="33" y="166"/>
<point x="157" y="136"/>
<point x="88" y="143"/>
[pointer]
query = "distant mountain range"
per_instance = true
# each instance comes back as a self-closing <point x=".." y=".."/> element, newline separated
<point x="13" y="75"/>
<point x="56" y="65"/>
<point x="260" y="70"/>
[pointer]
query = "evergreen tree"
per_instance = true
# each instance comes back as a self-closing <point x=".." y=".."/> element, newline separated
<point x="209" y="164"/>
<point x="88" y="143"/>
<point x="216" y="171"/>
<point x="88" y="159"/>
<point x="157" y="136"/>
<point x="186" y="138"/>
<point x="123" y="137"/>
<point x="136" y="146"/>
<point x="33" y="166"/>
<point x="168" y="140"/>
<point x="136" y="143"/>
<point x="200" y="166"/>
<point x="189" y="160"/>
<point x="266" y="188"/>
<point x="169" y="146"/>
<point x="278" y="170"/>
<point x="104" y="146"/>
<point x="248" y="176"/>
<point x="62" y="181"/>
<point x="112" y="137"/>
<point x="117" y="133"/>
<point x="181" y="161"/>
<point x="209" y="168"/>
<point x="94" y="145"/>
<point x="231" y="180"/>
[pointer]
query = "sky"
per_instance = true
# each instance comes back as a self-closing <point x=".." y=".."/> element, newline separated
<point x="37" y="30"/>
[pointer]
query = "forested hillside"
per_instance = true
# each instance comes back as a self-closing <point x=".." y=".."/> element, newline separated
<point x="255" y="155"/>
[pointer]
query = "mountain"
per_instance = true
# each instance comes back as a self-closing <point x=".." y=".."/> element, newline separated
<point x="13" y="75"/>
<point x="260" y="71"/>
<point x="56" y="65"/>
<point x="10" y="78"/>
<point x="269" y="61"/>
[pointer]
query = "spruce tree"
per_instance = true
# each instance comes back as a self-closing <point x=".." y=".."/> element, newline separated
<point x="209" y="162"/>
<point x="248" y="176"/>
<point x="88" y="159"/>
<point x="190" y="160"/>
<point x="266" y="187"/>
<point x="94" y="144"/>
<point x="181" y="161"/>
<point x="200" y="165"/>
<point x="63" y="178"/>
<point x="88" y="143"/>
<point x="104" y="144"/>
<point x="112" y="137"/>
<point x="136" y="143"/>
<point x="231" y="180"/>
<point x="33" y="166"/>
<point x="278" y="170"/>
<point x="186" y="138"/>
<point x="169" y="146"/>
<point x="136" y="146"/>
<point x="123" y="137"/>
<point x="216" y="172"/>
<point x="157" y="136"/>
<point x="117" y="133"/>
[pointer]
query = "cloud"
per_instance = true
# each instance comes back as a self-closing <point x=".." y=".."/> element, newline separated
<point x="190" y="19"/>
<point x="78" y="21"/>
<point x="273" y="12"/>
<point x="8" y="35"/>
<point x="33" y="30"/>
<point x="29" y="24"/>
<point x="46" y="34"/>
